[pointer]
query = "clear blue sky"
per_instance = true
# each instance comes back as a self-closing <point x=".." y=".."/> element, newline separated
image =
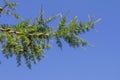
<point x="99" y="63"/>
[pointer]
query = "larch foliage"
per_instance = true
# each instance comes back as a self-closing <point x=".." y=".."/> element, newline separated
<point x="25" y="40"/>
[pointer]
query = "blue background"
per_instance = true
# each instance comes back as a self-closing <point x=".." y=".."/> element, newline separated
<point x="101" y="62"/>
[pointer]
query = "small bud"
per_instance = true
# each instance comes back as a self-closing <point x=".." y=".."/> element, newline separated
<point x="8" y="29"/>
<point x="40" y="34"/>
<point x="21" y="50"/>
<point x="47" y="34"/>
<point x="11" y="32"/>
<point x="1" y="9"/>
<point x="19" y="33"/>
